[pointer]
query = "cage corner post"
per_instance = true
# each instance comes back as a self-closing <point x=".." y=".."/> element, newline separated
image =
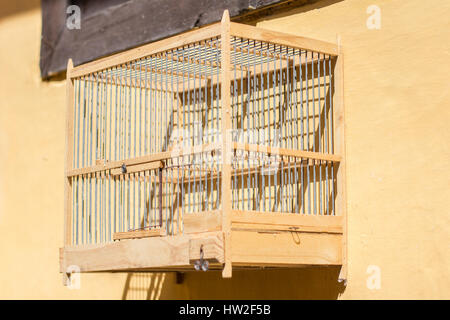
<point x="68" y="166"/>
<point x="226" y="143"/>
<point x="339" y="126"/>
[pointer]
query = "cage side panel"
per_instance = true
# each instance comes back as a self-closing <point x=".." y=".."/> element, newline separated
<point x="147" y="136"/>
<point x="281" y="103"/>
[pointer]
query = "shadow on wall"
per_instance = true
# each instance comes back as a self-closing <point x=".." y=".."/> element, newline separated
<point x="9" y="8"/>
<point x="143" y="286"/>
<point x="305" y="283"/>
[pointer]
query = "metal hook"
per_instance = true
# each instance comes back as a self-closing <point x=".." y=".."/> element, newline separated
<point x="201" y="264"/>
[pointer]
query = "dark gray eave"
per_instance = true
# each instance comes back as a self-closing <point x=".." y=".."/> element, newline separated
<point x="132" y="23"/>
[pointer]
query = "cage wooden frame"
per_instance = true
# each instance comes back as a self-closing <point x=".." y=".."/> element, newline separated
<point x="227" y="237"/>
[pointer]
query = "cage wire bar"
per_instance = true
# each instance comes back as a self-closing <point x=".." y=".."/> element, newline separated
<point x="147" y="148"/>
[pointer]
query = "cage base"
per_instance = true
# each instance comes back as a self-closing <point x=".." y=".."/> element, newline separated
<point x="250" y="249"/>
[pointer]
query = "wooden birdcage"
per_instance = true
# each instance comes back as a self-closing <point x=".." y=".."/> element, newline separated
<point x="221" y="147"/>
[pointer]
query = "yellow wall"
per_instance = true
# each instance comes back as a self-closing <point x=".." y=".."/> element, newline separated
<point x="397" y="120"/>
